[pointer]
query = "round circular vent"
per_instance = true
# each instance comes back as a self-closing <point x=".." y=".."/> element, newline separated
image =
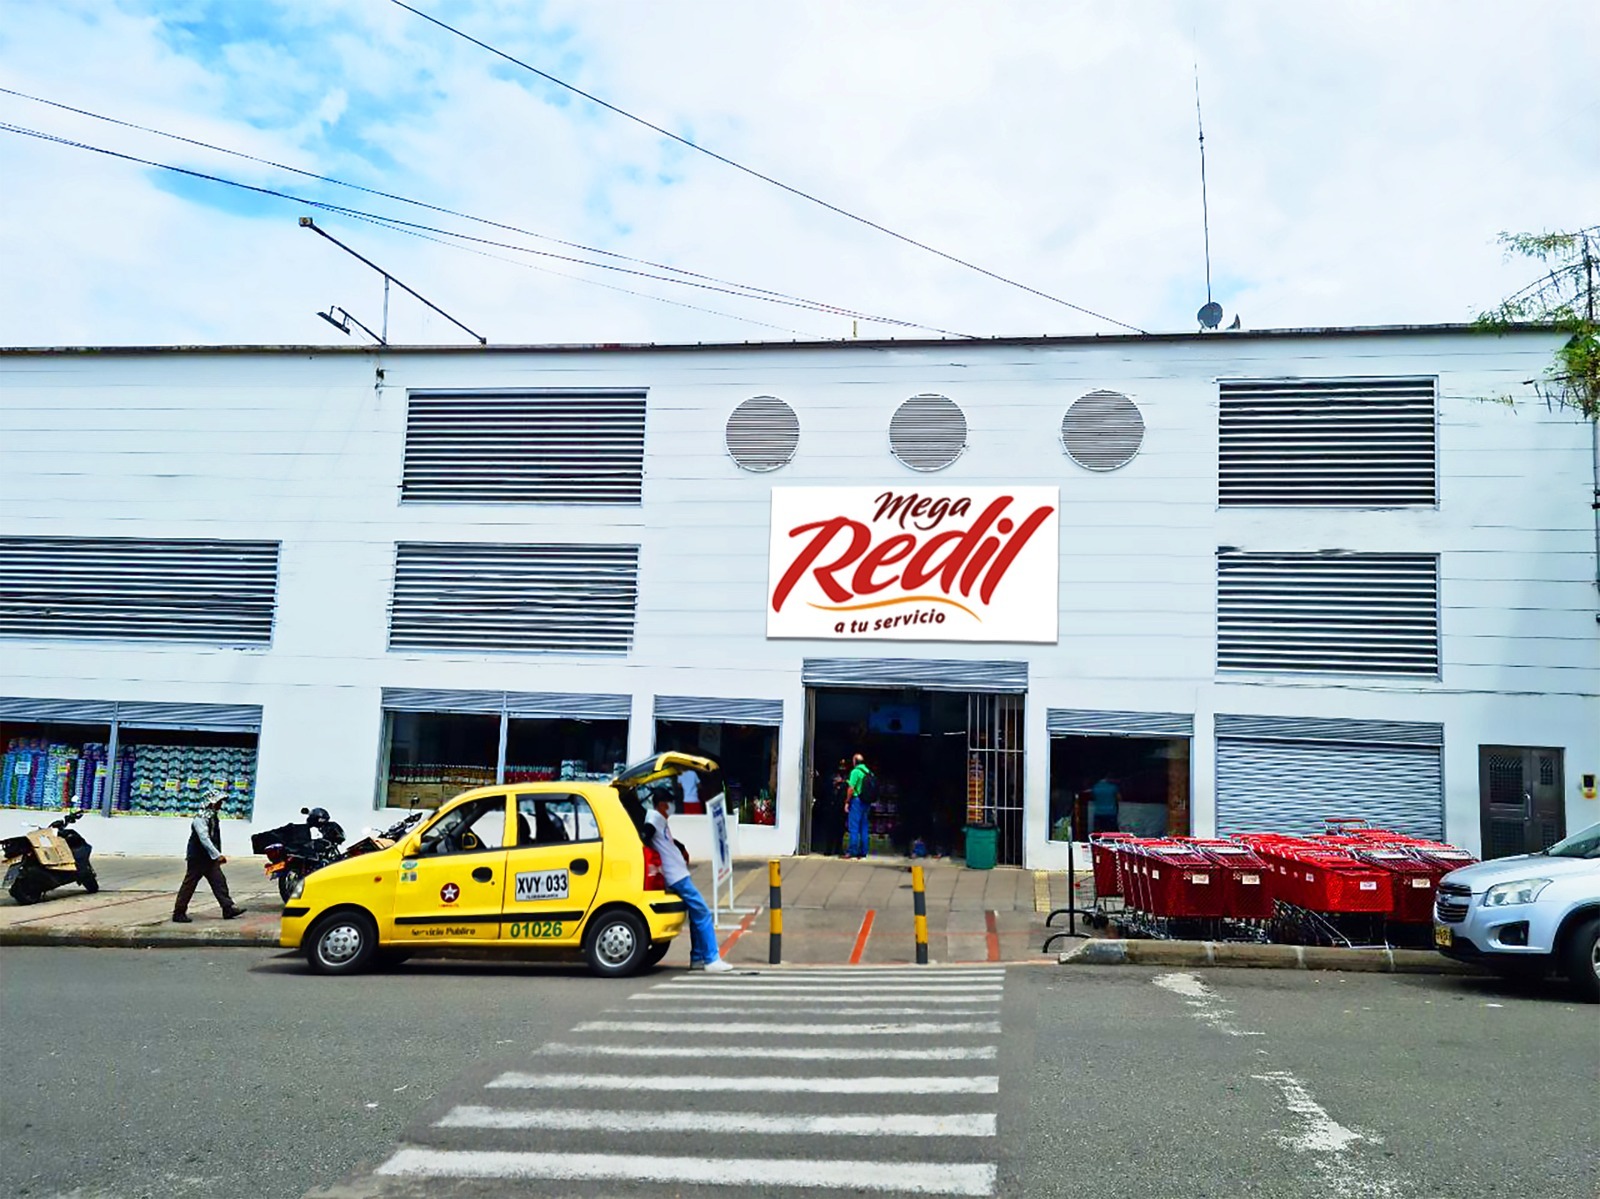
<point x="1102" y="431"/>
<point x="763" y="433"/>
<point x="928" y="432"/>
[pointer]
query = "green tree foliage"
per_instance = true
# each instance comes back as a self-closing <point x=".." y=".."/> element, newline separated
<point x="1563" y="298"/>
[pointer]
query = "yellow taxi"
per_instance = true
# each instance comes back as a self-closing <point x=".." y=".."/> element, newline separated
<point x="557" y="866"/>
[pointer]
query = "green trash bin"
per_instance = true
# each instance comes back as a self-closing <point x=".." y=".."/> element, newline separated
<point x="982" y="844"/>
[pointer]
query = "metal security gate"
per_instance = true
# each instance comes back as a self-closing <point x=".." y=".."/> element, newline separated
<point x="1520" y="793"/>
<point x="994" y="770"/>
<point x="1291" y="773"/>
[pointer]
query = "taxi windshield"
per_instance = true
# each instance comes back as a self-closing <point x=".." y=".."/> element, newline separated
<point x="476" y="824"/>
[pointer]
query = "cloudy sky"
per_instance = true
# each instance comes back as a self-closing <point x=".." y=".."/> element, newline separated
<point x="1361" y="159"/>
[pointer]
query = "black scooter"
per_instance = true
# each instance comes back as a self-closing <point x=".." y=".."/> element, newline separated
<point x="47" y="858"/>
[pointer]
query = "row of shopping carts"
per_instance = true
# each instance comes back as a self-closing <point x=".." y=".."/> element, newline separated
<point x="1354" y="884"/>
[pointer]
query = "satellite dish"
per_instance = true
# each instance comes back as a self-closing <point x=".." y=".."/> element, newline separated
<point x="1210" y="316"/>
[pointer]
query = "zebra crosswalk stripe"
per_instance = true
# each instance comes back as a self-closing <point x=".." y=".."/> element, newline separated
<point x="701" y="1083"/>
<point x="979" y="1124"/>
<point x="863" y="1071"/>
<point x="911" y="1178"/>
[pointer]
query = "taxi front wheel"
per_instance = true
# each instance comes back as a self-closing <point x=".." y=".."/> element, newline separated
<point x="343" y="943"/>
<point x="616" y="944"/>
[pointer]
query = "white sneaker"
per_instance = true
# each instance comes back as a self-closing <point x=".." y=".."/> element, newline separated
<point x="717" y="967"/>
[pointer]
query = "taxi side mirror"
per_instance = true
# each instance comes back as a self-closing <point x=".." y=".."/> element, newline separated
<point x="410" y="847"/>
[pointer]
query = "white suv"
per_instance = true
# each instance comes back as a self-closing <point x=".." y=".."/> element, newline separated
<point x="1528" y="914"/>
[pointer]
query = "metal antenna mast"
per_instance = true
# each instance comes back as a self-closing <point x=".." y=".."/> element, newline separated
<point x="1205" y="214"/>
<point x="307" y="223"/>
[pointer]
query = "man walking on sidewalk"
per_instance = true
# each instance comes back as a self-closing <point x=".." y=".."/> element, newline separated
<point x="862" y="789"/>
<point x="205" y="861"/>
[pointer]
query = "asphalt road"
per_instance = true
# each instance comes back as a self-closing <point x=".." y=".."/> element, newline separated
<point x="232" y="1073"/>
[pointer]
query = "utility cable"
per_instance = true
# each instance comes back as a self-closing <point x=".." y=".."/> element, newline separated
<point x="372" y="191"/>
<point x="343" y="210"/>
<point x="768" y="179"/>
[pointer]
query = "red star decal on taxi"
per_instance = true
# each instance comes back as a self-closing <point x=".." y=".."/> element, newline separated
<point x="449" y="893"/>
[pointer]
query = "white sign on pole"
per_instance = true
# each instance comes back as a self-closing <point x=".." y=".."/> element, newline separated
<point x="721" y="858"/>
<point x="934" y="564"/>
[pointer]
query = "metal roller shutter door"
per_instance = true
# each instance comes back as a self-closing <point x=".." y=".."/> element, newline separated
<point x="1289" y="787"/>
<point x="929" y="674"/>
<point x="709" y="710"/>
<point x="552" y="705"/>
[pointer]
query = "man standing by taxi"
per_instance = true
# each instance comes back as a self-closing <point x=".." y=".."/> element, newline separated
<point x="703" y="953"/>
<point x="861" y="789"/>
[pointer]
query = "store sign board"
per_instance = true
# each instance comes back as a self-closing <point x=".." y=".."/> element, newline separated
<point x="930" y="564"/>
<point x="721" y="851"/>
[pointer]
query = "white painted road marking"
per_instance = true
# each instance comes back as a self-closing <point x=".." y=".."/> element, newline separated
<point x="699" y="994"/>
<point x="785" y="987"/>
<point x="889" y="1085"/>
<point x="911" y="1178"/>
<point x="745" y="1009"/>
<point x="720" y="1028"/>
<point x="1205" y="1003"/>
<point x="975" y="1124"/>
<point x="1328" y="1142"/>
<point x="854" y="1053"/>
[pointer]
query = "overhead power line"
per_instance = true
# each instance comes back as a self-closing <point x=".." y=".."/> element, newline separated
<point x="736" y="290"/>
<point x="753" y="173"/>
<point x="816" y="305"/>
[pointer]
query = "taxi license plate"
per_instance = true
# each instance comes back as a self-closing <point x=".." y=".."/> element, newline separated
<point x="1442" y="936"/>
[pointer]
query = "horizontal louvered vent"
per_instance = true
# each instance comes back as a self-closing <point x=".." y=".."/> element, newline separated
<point x="1333" y="613"/>
<point x="525" y="447"/>
<point x="930" y="674"/>
<point x="517" y="598"/>
<point x="216" y="592"/>
<point x="1073" y="722"/>
<point x="709" y="709"/>
<point x="1326" y="442"/>
<point x="763" y="433"/>
<point x="928" y="432"/>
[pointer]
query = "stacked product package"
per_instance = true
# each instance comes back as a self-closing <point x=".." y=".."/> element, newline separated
<point x="38" y="773"/>
<point x="174" y="780"/>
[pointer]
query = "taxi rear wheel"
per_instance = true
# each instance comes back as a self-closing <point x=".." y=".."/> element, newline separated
<point x="616" y="944"/>
<point x="343" y="943"/>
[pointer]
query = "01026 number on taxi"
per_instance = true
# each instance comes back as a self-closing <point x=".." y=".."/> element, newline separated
<point x="534" y="929"/>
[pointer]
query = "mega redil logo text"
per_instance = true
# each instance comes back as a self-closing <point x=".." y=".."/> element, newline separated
<point x="923" y="564"/>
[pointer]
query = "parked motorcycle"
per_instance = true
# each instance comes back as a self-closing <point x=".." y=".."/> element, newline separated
<point x="46" y="858"/>
<point x="373" y="841"/>
<point x="296" y="849"/>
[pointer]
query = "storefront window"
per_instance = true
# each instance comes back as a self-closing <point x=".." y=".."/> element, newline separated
<point x="435" y="756"/>
<point x="54" y="765"/>
<point x="171" y="771"/>
<point x="160" y="772"/>
<point x="747" y="755"/>
<point x="543" y="749"/>
<point x="1137" y="785"/>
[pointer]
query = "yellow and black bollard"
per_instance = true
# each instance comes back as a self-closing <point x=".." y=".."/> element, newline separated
<point x="775" y="909"/>
<point x="919" y="904"/>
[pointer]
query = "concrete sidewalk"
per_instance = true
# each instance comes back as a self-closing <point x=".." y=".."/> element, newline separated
<point x="835" y="911"/>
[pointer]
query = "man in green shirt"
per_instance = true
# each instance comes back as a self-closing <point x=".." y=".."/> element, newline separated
<point x="860" y="790"/>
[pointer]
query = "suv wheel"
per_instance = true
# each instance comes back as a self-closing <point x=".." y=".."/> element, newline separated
<point x="616" y="944"/>
<point x="1581" y="959"/>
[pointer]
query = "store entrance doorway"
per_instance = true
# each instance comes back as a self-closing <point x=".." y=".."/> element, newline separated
<point x="944" y="760"/>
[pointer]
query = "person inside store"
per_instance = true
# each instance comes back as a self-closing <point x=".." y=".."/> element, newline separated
<point x="860" y="789"/>
<point x="827" y="814"/>
<point x="205" y="861"/>
<point x="1104" y="797"/>
<point x="703" y="952"/>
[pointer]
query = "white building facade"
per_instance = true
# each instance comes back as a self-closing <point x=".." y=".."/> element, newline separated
<point x="1284" y="576"/>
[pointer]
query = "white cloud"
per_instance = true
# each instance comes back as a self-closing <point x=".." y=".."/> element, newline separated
<point x="1361" y="159"/>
